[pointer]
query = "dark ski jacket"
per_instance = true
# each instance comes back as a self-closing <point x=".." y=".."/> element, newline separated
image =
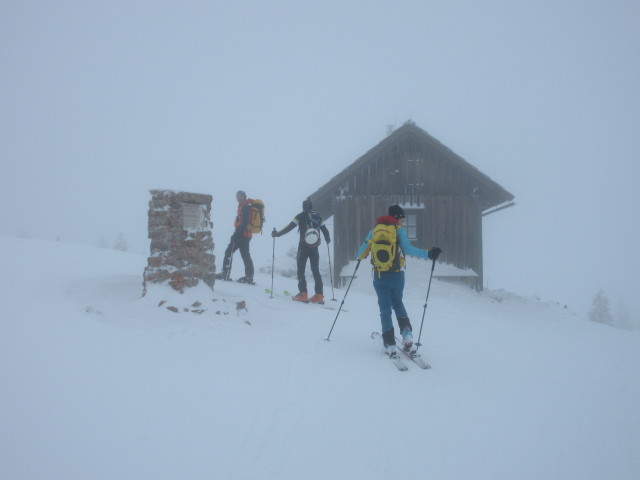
<point x="300" y="220"/>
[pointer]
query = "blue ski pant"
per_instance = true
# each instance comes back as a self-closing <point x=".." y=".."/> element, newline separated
<point x="389" y="287"/>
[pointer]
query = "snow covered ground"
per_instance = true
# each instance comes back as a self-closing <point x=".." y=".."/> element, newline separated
<point x="99" y="383"/>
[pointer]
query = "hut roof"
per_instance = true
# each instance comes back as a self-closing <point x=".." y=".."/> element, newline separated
<point x="491" y="193"/>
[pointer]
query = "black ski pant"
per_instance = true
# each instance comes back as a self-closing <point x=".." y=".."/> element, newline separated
<point x="238" y="242"/>
<point x="311" y="253"/>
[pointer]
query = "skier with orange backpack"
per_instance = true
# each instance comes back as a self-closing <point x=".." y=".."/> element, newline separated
<point x="249" y="220"/>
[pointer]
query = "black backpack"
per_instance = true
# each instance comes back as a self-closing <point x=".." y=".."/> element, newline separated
<point x="312" y="232"/>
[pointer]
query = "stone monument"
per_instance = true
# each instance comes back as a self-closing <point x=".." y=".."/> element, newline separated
<point x="181" y="240"/>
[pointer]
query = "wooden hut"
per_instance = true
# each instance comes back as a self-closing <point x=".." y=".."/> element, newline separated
<point x="444" y="198"/>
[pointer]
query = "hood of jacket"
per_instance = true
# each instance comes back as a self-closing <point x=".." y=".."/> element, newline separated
<point x="387" y="220"/>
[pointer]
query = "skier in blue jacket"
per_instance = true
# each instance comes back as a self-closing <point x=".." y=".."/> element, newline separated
<point x="389" y="284"/>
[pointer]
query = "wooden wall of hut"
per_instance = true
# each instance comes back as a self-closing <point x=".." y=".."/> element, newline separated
<point x="411" y="168"/>
<point x="452" y="222"/>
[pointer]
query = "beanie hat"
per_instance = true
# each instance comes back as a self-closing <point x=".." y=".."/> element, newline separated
<point x="396" y="211"/>
<point x="241" y="192"/>
<point x="307" y="205"/>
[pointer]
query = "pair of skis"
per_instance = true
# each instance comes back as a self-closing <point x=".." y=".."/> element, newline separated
<point x="397" y="360"/>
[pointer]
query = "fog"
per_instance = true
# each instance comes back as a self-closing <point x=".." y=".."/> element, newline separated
<point x="102" y="101"/>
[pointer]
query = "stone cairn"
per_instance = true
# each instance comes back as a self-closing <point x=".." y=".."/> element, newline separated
<point x="181" y="240"/>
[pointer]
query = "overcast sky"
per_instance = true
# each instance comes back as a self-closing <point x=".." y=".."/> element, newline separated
<point x="102" y="101"/>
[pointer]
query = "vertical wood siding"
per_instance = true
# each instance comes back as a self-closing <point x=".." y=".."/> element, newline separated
<point x="413" y="175"/>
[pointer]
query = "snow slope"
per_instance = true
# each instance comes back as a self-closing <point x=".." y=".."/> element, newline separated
<point x="99" y="383"/>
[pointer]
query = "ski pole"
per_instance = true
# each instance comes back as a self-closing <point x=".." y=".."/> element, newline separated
<point x="333" y="299"/>
<point x="345" y="296"/>
<point x="273" y="261"/>
<point x="433" y="266"/>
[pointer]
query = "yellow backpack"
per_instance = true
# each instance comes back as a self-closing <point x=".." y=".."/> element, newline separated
<point x="385" y="254"/>
<point x="256" y="216"/>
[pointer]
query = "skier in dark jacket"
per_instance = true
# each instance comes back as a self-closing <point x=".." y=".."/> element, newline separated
<point x="389" y="285"/>
<point x="239" y="241"/>
<point x="310" y="225"/>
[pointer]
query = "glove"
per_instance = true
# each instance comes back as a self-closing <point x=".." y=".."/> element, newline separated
<point x="434" y="253"/>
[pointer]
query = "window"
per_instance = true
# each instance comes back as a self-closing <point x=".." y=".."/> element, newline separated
<point x="411" y="224"/>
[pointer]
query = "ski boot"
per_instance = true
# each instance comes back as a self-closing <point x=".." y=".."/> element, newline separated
<point x="407" y="343"/>
<point x="389" y="342"/>
<point x="301" y="297"/>
<point x="317" y="298"/>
